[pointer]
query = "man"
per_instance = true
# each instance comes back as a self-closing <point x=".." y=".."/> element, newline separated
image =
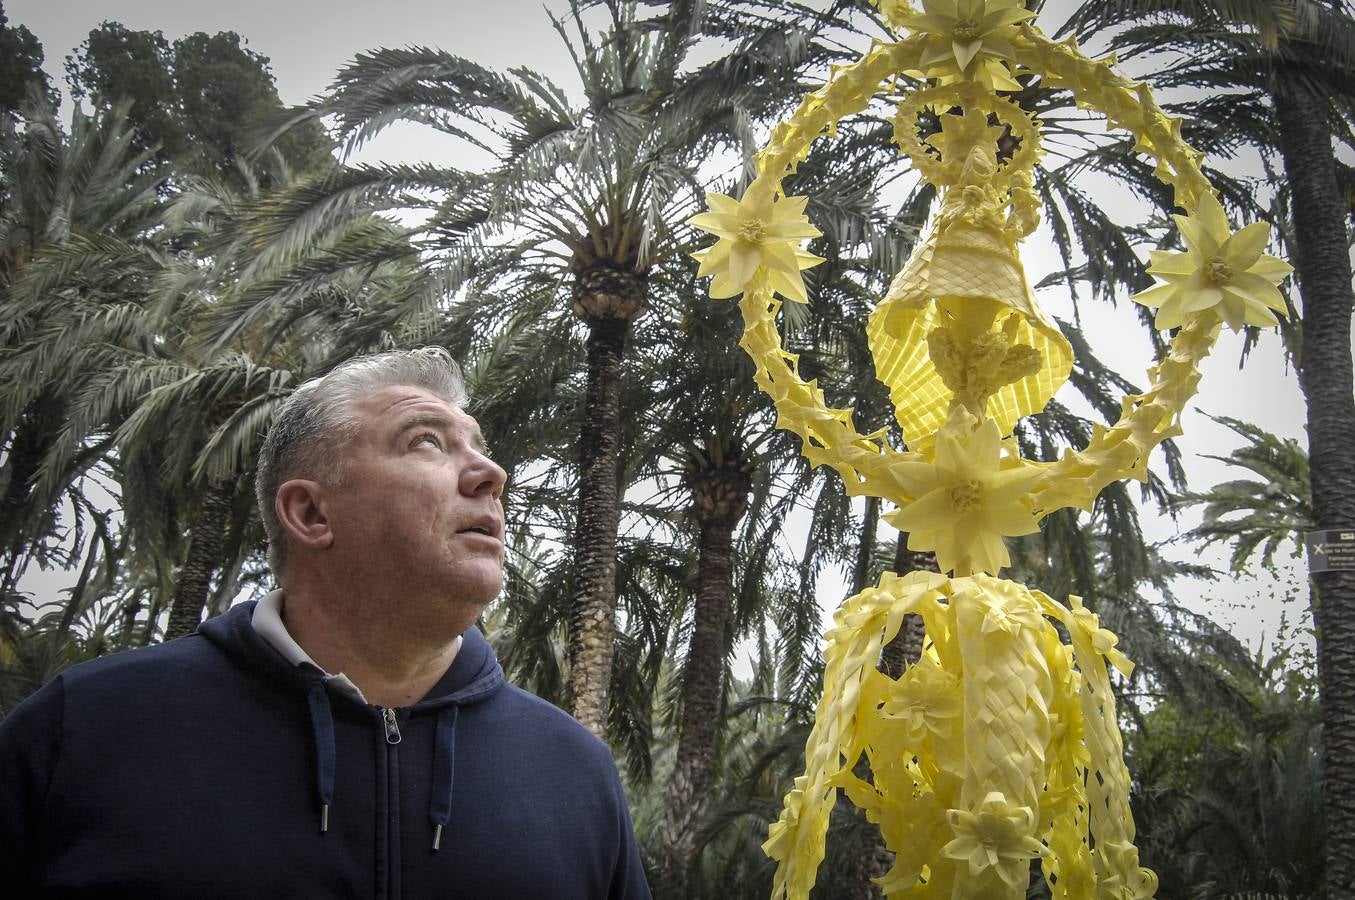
<point x="349" y="735"/>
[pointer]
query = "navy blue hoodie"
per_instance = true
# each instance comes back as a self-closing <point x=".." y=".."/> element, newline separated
<point x="211" y="767"/>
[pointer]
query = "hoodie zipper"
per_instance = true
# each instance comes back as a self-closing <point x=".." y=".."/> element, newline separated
<point x="390" y="723"/>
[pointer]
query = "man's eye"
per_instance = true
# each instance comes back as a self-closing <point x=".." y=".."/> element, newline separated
<point x="427" y="438"/>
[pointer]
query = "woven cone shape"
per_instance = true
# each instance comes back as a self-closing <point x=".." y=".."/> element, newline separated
<point x="960" y="262"/>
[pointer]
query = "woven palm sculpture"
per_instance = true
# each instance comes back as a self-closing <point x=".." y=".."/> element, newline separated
<point x="1000" y="744"/>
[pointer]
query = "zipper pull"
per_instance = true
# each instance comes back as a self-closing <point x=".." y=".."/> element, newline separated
<point x="392" y="726"/>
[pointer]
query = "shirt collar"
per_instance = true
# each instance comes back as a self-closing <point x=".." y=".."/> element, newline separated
<point x="268" y="624"/>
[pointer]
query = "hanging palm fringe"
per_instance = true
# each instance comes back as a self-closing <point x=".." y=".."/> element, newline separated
<point x="1000" y="745"/>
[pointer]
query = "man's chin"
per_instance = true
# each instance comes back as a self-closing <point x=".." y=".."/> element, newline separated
<point x="478" y="596"/>
<point x="482" y="588"/>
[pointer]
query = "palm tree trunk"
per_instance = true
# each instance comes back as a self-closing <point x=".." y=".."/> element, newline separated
<point x="608" y="301"/>
<point x="29" y="443"/>
<point x="701" y="691"/>
<point x="720" y="483"/>
<point x="593" y="619"/>
<point x="204" y="555"/>
<point x="906" y="648"/>
<point x="865" y="551"/>
<point x="1322" y="263"/>
<point x="16" y="476"/>
<point x="125" y="634"/>
<point x="76" y="602"/>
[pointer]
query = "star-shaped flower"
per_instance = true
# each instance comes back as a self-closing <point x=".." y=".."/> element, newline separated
<point x="923" y="700"/>
<point x="755" y="233"/>
<point x="961" y="133"/>
<point x="997" y="836"/>
<point x="967" y="500"/>
<point x="1008" y="609"/>
<point x="1221" y="270"/>
<point x="969" y="39"/>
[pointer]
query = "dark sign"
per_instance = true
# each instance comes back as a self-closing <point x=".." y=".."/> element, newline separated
<point x="1331" y="550"/>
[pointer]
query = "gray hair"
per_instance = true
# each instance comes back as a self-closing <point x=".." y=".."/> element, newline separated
<point x="317" y="420"/>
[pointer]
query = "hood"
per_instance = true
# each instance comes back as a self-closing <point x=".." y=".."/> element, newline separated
<point x="474" y="675"/>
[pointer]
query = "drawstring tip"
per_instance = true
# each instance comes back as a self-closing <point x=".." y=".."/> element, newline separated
<point x="324" y="818"/>
<point x="437" y="836"/>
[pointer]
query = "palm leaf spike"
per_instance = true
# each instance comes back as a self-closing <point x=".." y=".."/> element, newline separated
<point x="1000" y="745"/>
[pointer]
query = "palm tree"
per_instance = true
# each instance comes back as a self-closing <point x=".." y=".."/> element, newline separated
<point x="75" y="218"/>
<point x="584" y="195"/>
<point x="177" y="389"/>
<point x="719" y="478"/>
<point x="1289" y="70"/>
<point x="1275" y="510"/>
<point x="1322" y="264"/>
<point x="247" y="326"/>
<point x="1229" y="794"/>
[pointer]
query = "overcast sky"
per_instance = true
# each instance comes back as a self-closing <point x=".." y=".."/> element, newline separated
<point x="308" y="40"/>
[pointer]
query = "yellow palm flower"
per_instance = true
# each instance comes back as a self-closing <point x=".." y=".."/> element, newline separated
<point x="1103" y="640"/>
<point x="1221" y="270"/>
<point x="781" y="831"/>
<point x="960" y="134"/>
<point x="968" y="38"/>
<point x="966" y="501"/>
<point x="1125" y="878"/>
<point x="755" y="233"/>
<point x="997" y="836"/>
<point x="1007" y="608"/>
<point x="923" y="700"/>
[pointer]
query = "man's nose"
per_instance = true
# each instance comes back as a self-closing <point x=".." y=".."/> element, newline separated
<point x="485" y="476"/>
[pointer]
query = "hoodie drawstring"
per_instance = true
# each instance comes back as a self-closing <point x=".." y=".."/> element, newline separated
<point x="444" y="760"/>
<point x="322" y="727"/>
<point x="444" y="770"/>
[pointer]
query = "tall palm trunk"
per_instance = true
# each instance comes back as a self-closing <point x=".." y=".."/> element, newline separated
<point x="906" y="648"/>
<point x="607" y="300"/>
<point x="75" y="603"/>
<point x="1323" y="267"/>
<point x="865" y="551"/>
<point x="204" y="555"/>
<point x="719" y="499"/>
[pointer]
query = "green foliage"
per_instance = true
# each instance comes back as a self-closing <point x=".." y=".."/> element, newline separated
<point x="193" y="102"/>
<point x="1241" y="47"/>
<point x="1226" y="62"/>
<point x="1264" y="513"/>
<point x="114" y="63"/>
<point x="1228" y="796"/>
<point x="154" y="373"/>
<point x="72" y="223"/>
<point x="21" y="74"/>
<point x="223" y="90"/>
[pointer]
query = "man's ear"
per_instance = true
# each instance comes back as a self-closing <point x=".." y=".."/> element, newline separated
<point x="300" y="508"/>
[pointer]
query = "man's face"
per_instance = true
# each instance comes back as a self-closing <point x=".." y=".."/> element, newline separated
<point x="418" y="506"/>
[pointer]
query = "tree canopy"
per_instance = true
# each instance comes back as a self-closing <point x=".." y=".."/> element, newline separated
<point x="194" y="101"/>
